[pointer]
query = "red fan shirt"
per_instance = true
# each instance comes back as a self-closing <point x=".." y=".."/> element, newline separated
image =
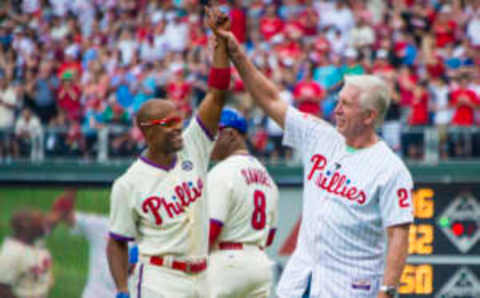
<point x="269" y="27"/>
<point x="239" y="24"/>
<point x="464" y="114"/>
<point x="70" y="101"/>
<point x="309" y="95"/>
<point x="419" y="110"/>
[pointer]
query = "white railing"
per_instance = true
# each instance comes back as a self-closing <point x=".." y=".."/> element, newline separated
<point x="464" y="137"/>
<point x="53" y="144"/>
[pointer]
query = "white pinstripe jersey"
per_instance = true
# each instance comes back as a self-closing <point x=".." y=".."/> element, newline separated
<point x="243" y="197"/>
<point x="165" y="209"/>
<point x="350" y="198"/>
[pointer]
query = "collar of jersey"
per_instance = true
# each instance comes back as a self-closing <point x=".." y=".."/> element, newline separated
<point x="158" y="166"/>
<point x="351" y="150"/>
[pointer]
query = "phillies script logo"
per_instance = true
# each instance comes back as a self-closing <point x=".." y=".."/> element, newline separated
<point x="186" y="193"/>
<point x="337" y="183"/>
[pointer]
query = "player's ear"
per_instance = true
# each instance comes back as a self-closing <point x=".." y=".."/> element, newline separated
<point x="370" y="116"/>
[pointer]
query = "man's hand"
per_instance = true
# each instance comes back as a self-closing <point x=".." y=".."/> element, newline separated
<point x="262" y="90"/>
<point x="220" y="24"/>
<point x="217" y="21"/>
<point x="63" y="208"/>
<point x="65" y="202"/>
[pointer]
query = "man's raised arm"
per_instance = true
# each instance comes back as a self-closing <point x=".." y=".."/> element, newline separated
<point x="263" y="91"/>
<point x="211" y="107"/>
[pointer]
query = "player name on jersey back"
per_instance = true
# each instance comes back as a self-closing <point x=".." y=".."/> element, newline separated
<point x="256" y="176"/>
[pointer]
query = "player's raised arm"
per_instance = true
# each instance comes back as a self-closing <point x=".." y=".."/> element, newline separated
<point x="263" y="91"/>
<point x="219" y="78"/>
<point x="63" y="209"/>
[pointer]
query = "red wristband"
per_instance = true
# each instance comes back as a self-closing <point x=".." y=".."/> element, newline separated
<point x="219" y="78"/>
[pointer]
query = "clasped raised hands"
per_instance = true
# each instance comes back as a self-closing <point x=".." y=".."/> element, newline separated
<point x="219" y="23"/>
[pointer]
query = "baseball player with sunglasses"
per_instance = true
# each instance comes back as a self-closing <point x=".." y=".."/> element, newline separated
<point x="242" y="200"/>
<point x="160" y="201"/>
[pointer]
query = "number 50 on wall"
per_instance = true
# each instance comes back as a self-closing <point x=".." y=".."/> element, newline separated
<point x="416" y="280"/>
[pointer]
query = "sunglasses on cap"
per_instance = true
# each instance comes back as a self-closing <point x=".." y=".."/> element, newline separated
<point x="165" y="122"/>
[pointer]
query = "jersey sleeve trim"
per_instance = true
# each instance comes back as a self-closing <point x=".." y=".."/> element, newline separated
<point x="119" y="237"/>
<point x="216" y="221"/>
<point x="402" y="221"/>
<point x="204" y="128"/>
<point x="140" y="280"/>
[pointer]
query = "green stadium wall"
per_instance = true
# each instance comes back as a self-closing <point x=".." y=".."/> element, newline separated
<point x="93" y="173"/>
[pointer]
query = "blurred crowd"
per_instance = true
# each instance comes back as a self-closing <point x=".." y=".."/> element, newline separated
<point x="69" y="68"/>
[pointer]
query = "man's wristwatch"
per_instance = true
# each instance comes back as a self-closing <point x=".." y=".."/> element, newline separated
<point x="389" y="290"/>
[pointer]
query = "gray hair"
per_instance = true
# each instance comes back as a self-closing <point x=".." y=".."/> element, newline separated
<point x="374" y="93"/>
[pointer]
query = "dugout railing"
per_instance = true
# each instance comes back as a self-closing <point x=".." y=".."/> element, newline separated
<point x="112" y="143"/>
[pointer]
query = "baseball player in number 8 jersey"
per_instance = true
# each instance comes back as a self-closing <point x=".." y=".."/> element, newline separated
<point x="243" y="215"/>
